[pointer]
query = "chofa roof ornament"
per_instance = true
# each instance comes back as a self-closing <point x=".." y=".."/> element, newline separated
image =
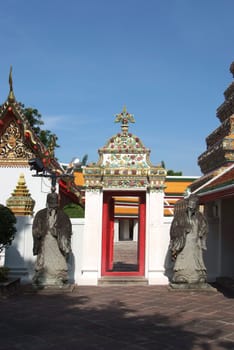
<point x="124" y="117"/>
<point x="11" y="96"/>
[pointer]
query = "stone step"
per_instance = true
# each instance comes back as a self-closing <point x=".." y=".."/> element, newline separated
<point x="122" y="280"/>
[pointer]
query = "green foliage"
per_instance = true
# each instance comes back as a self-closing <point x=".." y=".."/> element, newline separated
<point x="7" y="227"/>
<point x="84" y="160"/>
<point x="4" y="274"/>
<point x="35" y="121"/>
<point x="174" y="173"/>
<point x="171" y="172"/>
<point x="74" y="210"/>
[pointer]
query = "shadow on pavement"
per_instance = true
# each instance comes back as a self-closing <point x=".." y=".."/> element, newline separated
<point x="48" y="321"/>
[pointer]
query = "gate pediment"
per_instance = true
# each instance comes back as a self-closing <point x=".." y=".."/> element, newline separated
<point x="124" y="162"/>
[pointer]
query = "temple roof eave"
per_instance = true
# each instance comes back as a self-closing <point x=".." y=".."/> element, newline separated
<point x="216" y="181"/>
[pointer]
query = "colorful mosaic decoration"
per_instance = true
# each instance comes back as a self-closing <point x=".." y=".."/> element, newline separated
<point x="124" y="162"/>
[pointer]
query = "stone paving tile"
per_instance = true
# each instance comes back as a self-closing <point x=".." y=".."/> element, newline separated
<point x="120" y="317"/>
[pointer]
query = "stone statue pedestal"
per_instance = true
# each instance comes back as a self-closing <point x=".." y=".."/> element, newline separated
<point x="199" y="286"/>
<point x="66" y="288"/>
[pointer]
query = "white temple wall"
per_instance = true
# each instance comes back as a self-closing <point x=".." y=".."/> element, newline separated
<point x="92" y="239"/>
<point x="85" y="261"/>
<point x="76" y="256"/>
<point x="19" y="256"/>
<point x="82" y="269"/>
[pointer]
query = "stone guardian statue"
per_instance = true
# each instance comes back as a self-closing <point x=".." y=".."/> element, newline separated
<point x="51" y="244"/>
<point x="187" y="241"/>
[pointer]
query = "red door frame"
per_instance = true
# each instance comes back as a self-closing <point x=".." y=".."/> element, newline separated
<point x="108" y="233"/>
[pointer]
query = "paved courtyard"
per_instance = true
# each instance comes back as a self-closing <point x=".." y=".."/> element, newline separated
<point x="120" y="317"/>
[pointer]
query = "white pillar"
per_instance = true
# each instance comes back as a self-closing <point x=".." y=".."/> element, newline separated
<point x="92" y="239"/>
<point x="135" y="230"/>
<point x="124" y="230"/>
<point x="156" y="238"/>
<point x="116" y="230"/>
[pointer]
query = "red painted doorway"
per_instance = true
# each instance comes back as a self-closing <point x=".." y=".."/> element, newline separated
<point x="123" y="250"/>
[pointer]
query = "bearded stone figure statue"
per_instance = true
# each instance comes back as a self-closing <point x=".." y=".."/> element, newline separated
<point x="188" y="240"/>
<point x="52" y="244"/>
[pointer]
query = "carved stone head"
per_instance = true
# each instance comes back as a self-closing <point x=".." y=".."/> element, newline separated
<point x="193" y="201"/>
<point x="52" y="200"/>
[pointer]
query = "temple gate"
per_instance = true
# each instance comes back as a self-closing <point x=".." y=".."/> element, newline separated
<point x="124" y="202"/>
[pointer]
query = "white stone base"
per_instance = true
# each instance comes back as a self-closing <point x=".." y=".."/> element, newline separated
<point x="88" y="278"/>
<point x="157" y="278"/>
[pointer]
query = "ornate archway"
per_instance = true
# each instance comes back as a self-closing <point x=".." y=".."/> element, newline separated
<point x="123" y="174"/>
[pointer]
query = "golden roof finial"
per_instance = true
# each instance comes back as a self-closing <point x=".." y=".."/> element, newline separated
<point x="11" y="96"/>
<point x="124" y="117"/>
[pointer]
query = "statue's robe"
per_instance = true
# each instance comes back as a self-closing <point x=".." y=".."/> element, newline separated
<point x="188" y="239"/>
<point x="52" y="243"/>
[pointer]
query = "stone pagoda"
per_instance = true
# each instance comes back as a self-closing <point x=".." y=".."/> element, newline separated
<point x="219" y="154"/>
<point x="21" y="202"/>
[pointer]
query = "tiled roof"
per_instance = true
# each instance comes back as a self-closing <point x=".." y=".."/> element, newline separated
<point x="224" y="180"/>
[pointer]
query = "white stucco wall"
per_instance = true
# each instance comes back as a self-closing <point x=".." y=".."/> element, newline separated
<point x="85" y="260"/>
<point x="92" y="239"/>
<point x="19" y="256"/>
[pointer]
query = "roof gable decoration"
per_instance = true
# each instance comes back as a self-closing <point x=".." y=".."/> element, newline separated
<point x="18" y="142"/>
<point x="124" y="162"/>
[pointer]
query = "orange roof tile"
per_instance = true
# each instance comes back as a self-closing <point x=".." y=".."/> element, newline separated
<point x="78" y="178"/>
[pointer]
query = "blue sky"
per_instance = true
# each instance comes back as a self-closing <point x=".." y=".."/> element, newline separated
<point x="80" y="61"/>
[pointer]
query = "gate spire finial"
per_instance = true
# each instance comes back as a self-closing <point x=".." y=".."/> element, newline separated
<point x="11" y="96"/>
<point x="124" y="117"/>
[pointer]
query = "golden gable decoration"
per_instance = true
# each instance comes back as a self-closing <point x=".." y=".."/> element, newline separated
<point x="12" y="146"/>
